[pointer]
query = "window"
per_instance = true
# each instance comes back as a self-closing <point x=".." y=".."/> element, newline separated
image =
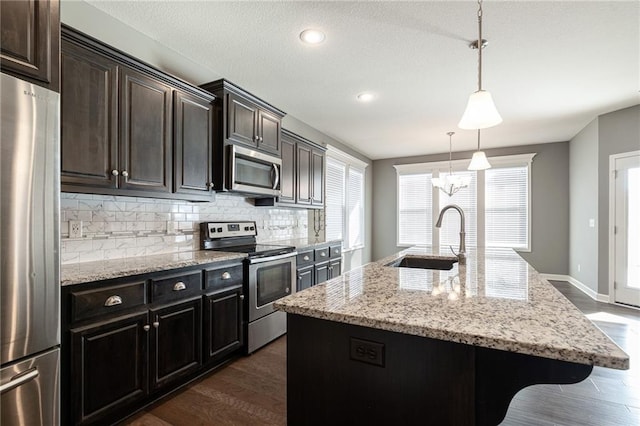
<point x="498" y="198"/>
<point x="344" y="210"/>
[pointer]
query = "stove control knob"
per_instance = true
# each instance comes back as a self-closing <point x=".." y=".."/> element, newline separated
<point x="212" y="230"/>
<point x="252" y="228"/>
<point x="219" y="229"/>
<point x="246" y="228"/>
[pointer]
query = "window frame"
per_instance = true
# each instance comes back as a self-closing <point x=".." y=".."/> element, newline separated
<point x="349" y="162"/>
<point x="437" y="167"/>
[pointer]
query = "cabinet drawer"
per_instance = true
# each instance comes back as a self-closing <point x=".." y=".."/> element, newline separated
<point x="227" y="276"/>
<point x="335" y="251"/>
<point x="105" y="300"/>
<point x="305" y="258"/>
<point x="176" y="287"/>
<point x="322" y="254"/>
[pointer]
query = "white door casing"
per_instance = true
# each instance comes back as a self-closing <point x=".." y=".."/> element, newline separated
<point x="624" y="228"/>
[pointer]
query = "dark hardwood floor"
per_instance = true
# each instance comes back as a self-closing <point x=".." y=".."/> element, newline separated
<point x="252" y="390"/>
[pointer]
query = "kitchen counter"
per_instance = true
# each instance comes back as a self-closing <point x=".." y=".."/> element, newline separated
<point x="409" y="346"/>
<point x="496" y="301"/>
<point x="77" y="273"/>
<point x="303" y="243"/>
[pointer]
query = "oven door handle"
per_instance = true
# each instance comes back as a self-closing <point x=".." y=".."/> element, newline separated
<point x="272" y="258"/>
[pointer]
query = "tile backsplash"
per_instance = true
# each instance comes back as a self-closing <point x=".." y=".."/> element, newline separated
<point x="115" y="227"/>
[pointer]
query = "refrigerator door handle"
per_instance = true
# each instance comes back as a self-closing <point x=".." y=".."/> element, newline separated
<point x="19" y="379"/>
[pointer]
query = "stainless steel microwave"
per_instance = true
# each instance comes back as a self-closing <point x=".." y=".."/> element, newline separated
<point x="253" y="172"/>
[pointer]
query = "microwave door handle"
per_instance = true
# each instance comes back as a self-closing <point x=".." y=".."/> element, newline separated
<point x="276" y="181"/>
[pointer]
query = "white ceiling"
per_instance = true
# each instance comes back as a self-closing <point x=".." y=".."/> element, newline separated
<point x="552" y="66"/>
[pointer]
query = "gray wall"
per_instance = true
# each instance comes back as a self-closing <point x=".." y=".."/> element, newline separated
<point x="549" y="200"/>
<point x="83" y="16"/>
<point x="618" y="132"/>
<point x="583" y="206"/>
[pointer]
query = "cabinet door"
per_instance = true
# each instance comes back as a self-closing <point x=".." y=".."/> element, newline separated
<point x="322" y="272"/>
<point x="242" y="117"/>
<point x="335" y="268"/>
<point x="108" y="367"/>
<point x="193" y="140"/>
<point x="304" y="174"/>
<point x="268" y="132"/>
<point x="305" y="278"/>
<point x="176" y="339"/>
<point x="145" y="133"/>
<point x="317" y="178"/>
<point x="288" y="172"/>
<point x="30" y="43"/>
<point x="89" y="98"/>
<point x="223" y="323"/>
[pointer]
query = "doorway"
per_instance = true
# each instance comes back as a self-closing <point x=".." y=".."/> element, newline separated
<point x="624" y="218"/>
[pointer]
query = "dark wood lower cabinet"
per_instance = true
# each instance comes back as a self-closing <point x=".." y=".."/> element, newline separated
<point x="176" y="342"/>
<point x="305" y="278"/>
<point x="129" y="341"/>
<point x="108" y="367"/>
<point x="321" y="272"/>
<point x="223" y="323"/>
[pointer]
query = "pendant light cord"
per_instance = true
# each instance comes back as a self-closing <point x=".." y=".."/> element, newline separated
<point x="450" y="134"/>
<point x="478" y="139"/>
<point x="479" y="45"/>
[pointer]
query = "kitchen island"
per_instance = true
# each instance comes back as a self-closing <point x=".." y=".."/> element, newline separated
<point x="393" y="345"/>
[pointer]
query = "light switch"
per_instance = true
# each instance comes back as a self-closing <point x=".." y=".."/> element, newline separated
<point x="592" y="223"/>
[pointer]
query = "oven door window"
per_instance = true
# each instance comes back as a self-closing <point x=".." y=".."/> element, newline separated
<point x="253" y="172"/>
<point x="273" y="282"/>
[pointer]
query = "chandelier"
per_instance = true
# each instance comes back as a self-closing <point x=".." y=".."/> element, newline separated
<point x="450" y="184"/>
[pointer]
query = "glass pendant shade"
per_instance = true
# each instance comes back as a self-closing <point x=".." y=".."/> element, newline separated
<point x="450" y="184"/>
<point x="481" y="112"/>
<point x="479" y="161"/>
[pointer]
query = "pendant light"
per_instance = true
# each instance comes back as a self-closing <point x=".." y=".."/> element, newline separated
<point x="479" y="160"/>
<point x="481" y="112"/>
<point x="450" y="184"/>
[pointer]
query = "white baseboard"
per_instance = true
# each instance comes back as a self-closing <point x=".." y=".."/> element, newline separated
<point x="599" y="297"/>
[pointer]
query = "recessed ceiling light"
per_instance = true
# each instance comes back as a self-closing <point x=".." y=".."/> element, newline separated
<point x="366" y="97"/>
<point x="312" y="36"/>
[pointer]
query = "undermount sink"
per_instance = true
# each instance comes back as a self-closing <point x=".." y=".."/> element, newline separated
<point x="421" y="262"/>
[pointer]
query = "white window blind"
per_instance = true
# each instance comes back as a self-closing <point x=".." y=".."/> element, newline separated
<point x="506" y="207"/>
<point x="466" y="198"/>
<point x="415" y="222"/>
<point x="355" y="208"/>
<point x="335" y="199"/>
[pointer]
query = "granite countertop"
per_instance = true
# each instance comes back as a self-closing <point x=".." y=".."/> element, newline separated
<point x="302" y="243"/>
<point x="497" y="300"/>
<point x="77" y="273"/>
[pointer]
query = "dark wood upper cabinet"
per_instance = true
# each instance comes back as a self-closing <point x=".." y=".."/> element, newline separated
<point x="108" y="367"/>
<point x="317" y="177"/>
<point x="146" y="138"/>
<point x="118" y="121"/>
<point x="193" y="124"/>
<point x="89" y="125"/>
<point x="30" y="40"/>
<point x="269" y="129"/>
<point x="246" y="119"/>
<point x="304" y="171"/>
<point x="288" y="171"/>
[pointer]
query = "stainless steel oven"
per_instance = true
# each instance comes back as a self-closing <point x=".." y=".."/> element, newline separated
<point x="270" y="272"/>
<point x="253" y="172"/>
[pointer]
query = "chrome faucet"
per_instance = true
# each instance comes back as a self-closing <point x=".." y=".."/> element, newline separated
<point x="461" y="251"/>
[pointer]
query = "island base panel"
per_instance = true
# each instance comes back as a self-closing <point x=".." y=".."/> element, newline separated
<point x="345" y="374"/>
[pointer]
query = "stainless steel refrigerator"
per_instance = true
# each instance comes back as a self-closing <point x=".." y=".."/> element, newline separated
<point x="29" y="253"/>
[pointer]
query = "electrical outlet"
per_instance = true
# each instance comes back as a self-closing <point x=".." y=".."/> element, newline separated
<point x="75" y="229"/>
<point x="367" y="351"/>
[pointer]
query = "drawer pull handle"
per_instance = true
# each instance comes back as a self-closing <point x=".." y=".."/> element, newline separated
<point x="226" y="276"/>
<point x="305" y="258"/>
<point x="113" y="301"/>
<point x="179" y="286"/>
<point x="156" y="324"/>
<point x="323" y="254"/>
<point x="20" y="379"/>
<point x="146" y="327"/>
